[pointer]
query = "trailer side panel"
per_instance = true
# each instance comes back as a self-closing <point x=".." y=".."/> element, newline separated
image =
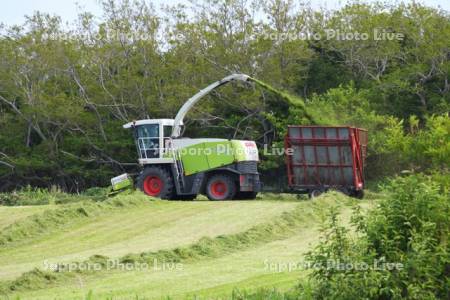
<point x="324" y="157"/>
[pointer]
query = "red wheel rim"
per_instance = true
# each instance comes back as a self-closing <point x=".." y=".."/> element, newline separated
<point x="153" y="185"/>
<point x="218" y="189"/>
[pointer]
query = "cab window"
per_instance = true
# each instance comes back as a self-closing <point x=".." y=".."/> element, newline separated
<point x="148" y="140"/>
<point x="148" y="131"/>
<point x="167" y="131"/>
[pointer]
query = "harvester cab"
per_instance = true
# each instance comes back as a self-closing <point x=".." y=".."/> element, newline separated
<point x="152" y="139"/>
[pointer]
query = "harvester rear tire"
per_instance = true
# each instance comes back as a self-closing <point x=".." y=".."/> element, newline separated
<point x="156" y="182"/>
<point x="220" y="187"/>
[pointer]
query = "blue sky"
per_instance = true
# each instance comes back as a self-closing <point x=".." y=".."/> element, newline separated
<point x="13" y="11"/>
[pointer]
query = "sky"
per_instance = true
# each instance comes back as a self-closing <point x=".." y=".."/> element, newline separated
<point x="13" y="11"/>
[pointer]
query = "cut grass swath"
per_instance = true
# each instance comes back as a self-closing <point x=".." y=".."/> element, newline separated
<point x="205" y="248"/>
<point x="49" y="220"/>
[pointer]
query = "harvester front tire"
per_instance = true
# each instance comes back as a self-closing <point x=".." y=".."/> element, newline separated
<point x="156" y="182"/>
<point x="220" y="187"/>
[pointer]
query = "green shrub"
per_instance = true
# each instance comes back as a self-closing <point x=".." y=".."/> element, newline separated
<point x="424" y="149"/>
<point x="409" y="228"/>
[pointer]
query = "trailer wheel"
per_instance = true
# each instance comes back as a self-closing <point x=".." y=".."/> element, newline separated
<point x="359" y="194"/>
<point x="220" y="187"/>
<point x="156" y="182"/>
<point x="314" y="193"/>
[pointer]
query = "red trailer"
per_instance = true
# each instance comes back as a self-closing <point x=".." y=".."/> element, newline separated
<point x="326" y="157"/>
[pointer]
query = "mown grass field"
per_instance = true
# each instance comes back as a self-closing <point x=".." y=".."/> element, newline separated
<point x="279" y="232"/>
<point x="9" y="215"/>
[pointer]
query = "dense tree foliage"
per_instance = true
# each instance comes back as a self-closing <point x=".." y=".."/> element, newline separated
<point x="66" y="90"/>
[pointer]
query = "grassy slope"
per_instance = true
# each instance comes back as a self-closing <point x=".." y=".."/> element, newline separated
<point x="211" y="277"/>
<point x="11" y="214"/>
<point x="158" y="225"/>
<point x="167" y="225"/>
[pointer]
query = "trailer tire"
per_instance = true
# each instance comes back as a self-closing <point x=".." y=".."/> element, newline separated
<point x="359" y="194"/>
<point x="220" y="187"/>
<point x="312" y="194"/>
<point x="156" y="182"/>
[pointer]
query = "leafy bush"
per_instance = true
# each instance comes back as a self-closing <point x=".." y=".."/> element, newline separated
<point x="403" y="242"/>
<point x="428" y="148"/>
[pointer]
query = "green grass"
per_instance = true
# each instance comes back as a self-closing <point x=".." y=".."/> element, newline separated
<point x="37" y="196"/>
<point x="241" y="236"/>
<point x="10" y="215"/>
<point x="51" y="219"/>
<point x="149" y="226"/>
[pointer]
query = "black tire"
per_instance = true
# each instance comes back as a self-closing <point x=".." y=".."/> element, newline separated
<point x="156" y="182"/>
<point x="220" y="187"/>
<point x="314" y="193"/>
<point x="246" y="195"/>
<point x="359" y="194"/>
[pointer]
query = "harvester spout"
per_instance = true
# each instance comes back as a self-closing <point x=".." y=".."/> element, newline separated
<point x="194" y="99"/>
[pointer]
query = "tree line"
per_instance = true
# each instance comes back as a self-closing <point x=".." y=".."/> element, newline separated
<point x="67" y="89"/>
